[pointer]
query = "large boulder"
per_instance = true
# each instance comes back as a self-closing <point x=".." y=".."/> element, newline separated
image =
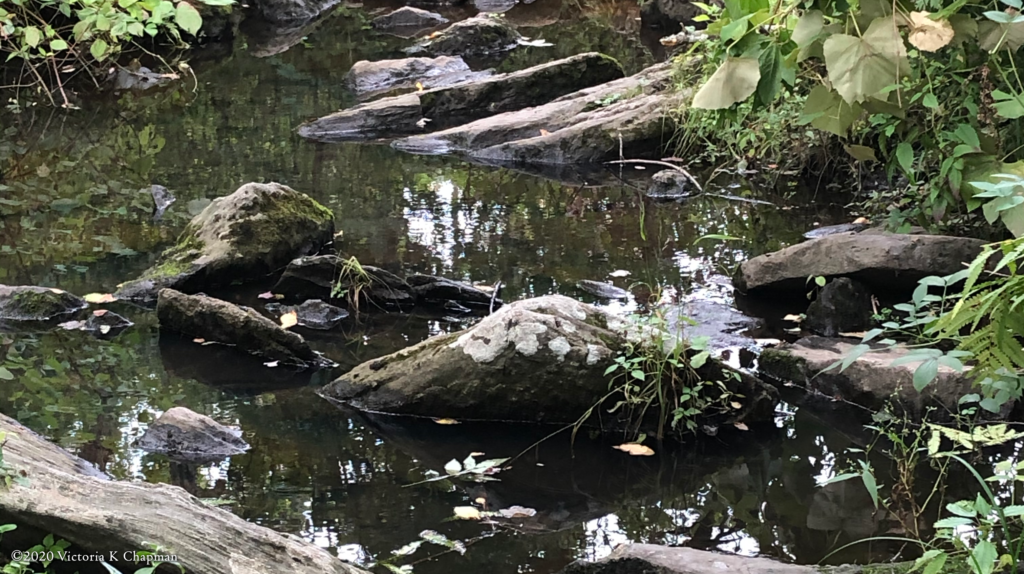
<point x="886" y="262"/>
<point x="655" y="559"/>
<point x="536" y="360"/>
<point x="216" y="321"/>
<point x="24" y="303"/>
<point x="477" y="36"/>
<point x="408" y="17"/>
<point x="66" y="496"/>
<point x="186" y="435"/>
<point x="249" y="234"/>
<point x="843" y="305"/>
<point x="367" y="78"/>
<point x="871" y="381"/>
<point x="293" y="11"/>
<point x="442" y="107"/>
<point x="626" y="117"/>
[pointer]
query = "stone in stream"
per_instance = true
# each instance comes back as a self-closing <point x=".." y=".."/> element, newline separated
<point x="216" y="321"/>
<point x="69" y="498"/>
<point x="843" y="305"/>
<point x="669" y="184"/>
<point x="602" y="289"/>
<point x="535" y="360"/>
<point x="657" y="559"/>
<point x="408" y="17"/>
<point x="871" y="381"/>
<point x="320" y="277"/>
<point x="188" y="436"/>
<point x="429" y="288"/>
<point x="25" y="303"/>
<point x="628" y="116"/>
<point x="249" y="234"/>
<point x="888" y="263"/>
<point x="465" y="102"/>
<point x="477" y="36"/>
<point x="312" y="314"/>
<point x="369" y="78"/>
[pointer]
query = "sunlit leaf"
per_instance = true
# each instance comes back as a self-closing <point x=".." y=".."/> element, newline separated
<point x="734" y="81"/>
<point x="467" y="513"/>
<point x="927" y="34"/>
<point x="289" y="319"/>
<point x="453" y="467"/>
<point x="862" y="67"/>
<point x="188" y="18"/>
<point x="97" y="298"/>
<point x="635" y="449"/>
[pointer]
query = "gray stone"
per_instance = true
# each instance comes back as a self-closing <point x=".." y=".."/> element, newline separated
<point x="843" y="305"/>
<point x="870" y="381"/>
<point x="66" y="496"/>
<point x="216" y="321"/>
<point x="37" y="304"/>
<point x="312" y="314"/>
<point x="249" y="234"/>
<point x="186" y="435"/>
<point x="429" y="288"/>
<point x="536" y="360"/>
<point x="836" y="229"/>
<point x="655" y="559"/>
<point x="408" y="17"/>
<point x="477" y="36"/>
<point x="602" y="289"/>
<point x="370" y="78"/>
<point x="669" y="184"/>
<point x="452" y="105"/>
<point x="668" y="16"/>
<point x="886" y="262"/>
<point x="319" y="277"/>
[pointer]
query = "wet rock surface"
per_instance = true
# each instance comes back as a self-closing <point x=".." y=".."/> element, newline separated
<point x="25" y="303"/>
<point x="408" y="17"/>
<point x="843" y="305"/>
<point x="602" y="289"/>
<point x="668" y="16"/>
<point x="312" y="314"/>
<point x="100" y="322"/>
<point x="723" y="325"/>
<point x="429" y="288"/>
<point x="668" y="185"/>
<point x="870" y="381"/>
<point x="293" y="11"/>
<point x="186" y="435"/>
<point x="836" y="229"/>
<point x="213" y="320"/>
<point x="369" y="78"/>
<point x="887" y="262"/>
<point x="254" y="231"/>
<point x="478" y="36"/>
<point x="445" y="106"/>
<point x="535" y="360"/>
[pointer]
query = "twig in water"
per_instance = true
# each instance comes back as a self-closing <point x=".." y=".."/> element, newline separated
<point x="664" y="164"/>
<point x="494" y="295"/>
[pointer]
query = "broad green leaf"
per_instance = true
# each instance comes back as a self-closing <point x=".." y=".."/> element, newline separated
<point x="870" y="484"/>
<point x="905" y="158"/>
<point x="99" y="49"/>
<point x="964" y="28"/>
<point x="993" y="36"/>
<point x="984" y="557"/>
<point x="770" y="64"/>
<point x="860" y="152"/>
<point x="6" y="374"/>
<point x="925" y="373"/>
<point x="58" y="45"/>
<point x="953" y="522"/>
<point x="827" y="111"/>
<point x="32" y="36"/>
<point x="808" y="27"/>
<point x="1009" y="106"/>
<point x="863" y="67"/>
<point x="734" y="81"/>
<point x="188" y="18"/>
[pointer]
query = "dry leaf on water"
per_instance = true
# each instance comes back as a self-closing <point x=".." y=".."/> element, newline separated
<point x="476" y="454"/>
<point x="198" y="340"/>
<point x="467" y="513"/>
<point x="104" y="329"/>
<point x="619" y="273"/>
<point x="736" y="405"/>
<point x="446" y="421"/>
<point x="545" y="132"/>
<point x="740" y="426"/>
<point x="793" y="318"/>
<point x="635" y="449"/>
<point x="269" y="295"/>
<point x="98" y="298"/>
<point x="481" y="501"/>
<point x="272" y="364"/>
<point x="99" y="312"/>
<point x="517" y="512"/>
<point x="289" y="319"/>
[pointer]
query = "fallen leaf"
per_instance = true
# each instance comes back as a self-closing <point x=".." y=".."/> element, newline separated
<point x="476" y="454"/>
<point x="927" y="34"/>
<point x="467" y="513"/>
<point x="545" y="132"/>
<point x="200" y="341"/>
<point x="289" y="319"/>
<point x="72" y="325"/>
<point x="419" y="86"/>
<point x="99" y="298"/>
<point x="434" y="35"/>
<point x="854" y="334"/>
<point x="446" y="421"/>
<point x="267" y="295"/>
<point x="862" y="220"/>
<point x="99" y="312"/>
<point x="272" y="364"/>
<point x="619" y="273"/>
<point x="793" y="318"/>
<point x="55" y="290"/>
<point x="736" y="405"/>
<point x="540" y="464"/>
<point x="635" y="449"/>
<point x="740" y="426"/>
<point x="517" y="512"/>
<point x="481" y="501"/>
<point x="104" y="329"/>
<point x="453" y="467"/>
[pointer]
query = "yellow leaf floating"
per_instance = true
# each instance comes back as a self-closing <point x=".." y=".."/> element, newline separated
<point x="96" y="298"/>
<point x="467" y="513"/>
<point x="289" y="319"/>
<point x="635" y="449"/>
<point x="740" y="426"/>
<point x="446" y="421"/>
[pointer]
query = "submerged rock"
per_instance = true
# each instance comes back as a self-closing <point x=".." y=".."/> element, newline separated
<point x="185" y="435"/>
<point x="887" y="262"/>
<point x="870" y="381"/>
<point x="452" y="105"/>
<point x="477" y="36"/>
<point x="246" y="235"/>
<point x="408" y="17"/>
<point x="217" y="321"/>
<point x="37" y="304"/>
<point x="669" y="184"/>
<point x="69" y="498"/>
<point x="843" y="305"/>
<point x="602" y="289"/>
<point x="655" y="559"/>
<point x="312" y="314"/>
<point x="429" y="288"/>
<point x="628" y="116"/>
<point x="368" y="78"/>
<point x="536" y="360"/>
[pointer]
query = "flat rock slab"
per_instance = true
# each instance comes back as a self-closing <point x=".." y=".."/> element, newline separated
<point x="249" y="234"/>
<point x="26" y="303"/>
<point x="452" y="105"/>
<point x="477" y="36"/>
<point x="655" y="559"/>
<point x="629" y="116"/>
<point x="185" y="435"/>
<point x="217" y="321"/>
<point x="66" y="496"/>
<point x="367" y="78"/>
<point x="886" y="262"/>
<point x="408" y="17"/>
<point x="871" y="381"/>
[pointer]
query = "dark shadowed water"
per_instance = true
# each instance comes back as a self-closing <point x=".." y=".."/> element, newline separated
<point x="74" y="214"/>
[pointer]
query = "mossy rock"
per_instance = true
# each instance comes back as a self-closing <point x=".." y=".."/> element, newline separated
<point x="37" y="304"/>
<point x="478" y="36"/>
<point x="249" y="234"/>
